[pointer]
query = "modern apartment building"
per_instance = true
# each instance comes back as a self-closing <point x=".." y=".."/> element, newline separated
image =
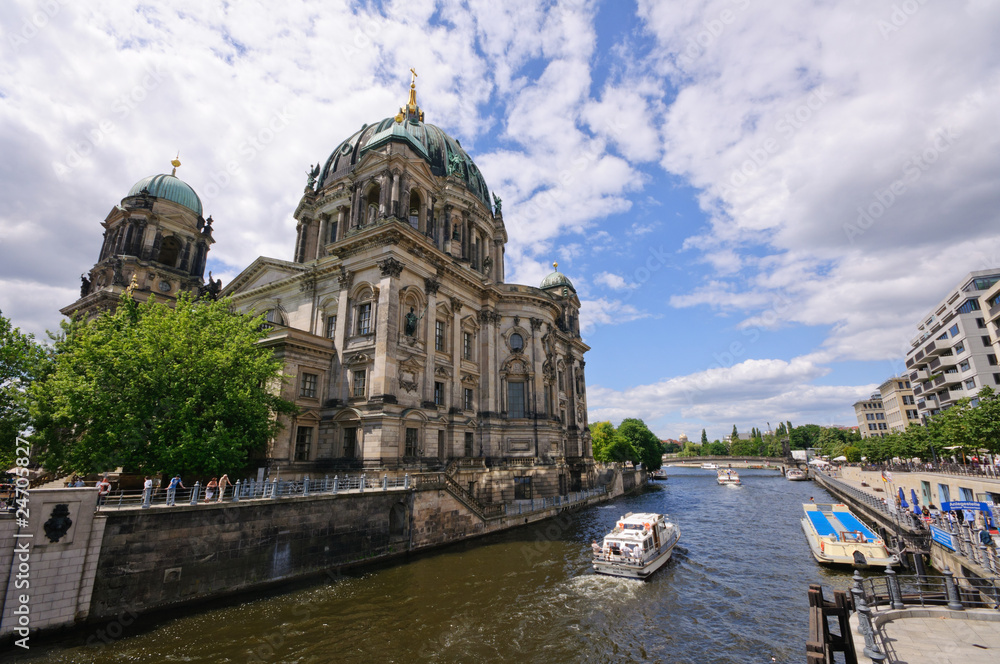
<point x="989" y="303"/>
<point x="899" y="404"/>
<point x="871" y="416"/>
<point x="953" y="355"/>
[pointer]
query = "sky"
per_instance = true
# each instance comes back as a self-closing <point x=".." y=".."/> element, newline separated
<point x="757" y="202"/>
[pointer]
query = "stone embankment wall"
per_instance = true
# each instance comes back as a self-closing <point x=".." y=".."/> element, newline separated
<point x="135" y="561"/>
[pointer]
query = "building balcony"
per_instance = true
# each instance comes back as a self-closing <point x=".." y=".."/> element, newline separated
<point x="994" y="312"/>
<point x="933" y="348"/>
<point x="917" y="388"/>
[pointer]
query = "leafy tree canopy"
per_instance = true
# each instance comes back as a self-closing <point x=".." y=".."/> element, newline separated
<point x="153" y="388"/>
<point x="643" y="441"/>
<point x="22" y="361"/>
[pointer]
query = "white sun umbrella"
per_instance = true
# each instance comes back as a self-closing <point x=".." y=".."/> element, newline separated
<point x="840" y="458"/>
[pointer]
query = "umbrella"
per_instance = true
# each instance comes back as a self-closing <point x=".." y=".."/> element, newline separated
<point x="902" y="499"/>
<point x="916" y="503"/>
<point x="840" y="458"/>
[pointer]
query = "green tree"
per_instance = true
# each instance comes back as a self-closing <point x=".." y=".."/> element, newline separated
<point x="609" y="446"/>
<point x="690" y="450"/>
<point x="704" y="437"/>
<point x="153" y="388"/>
<point x="671" y="447"/>
<point x="715" y="449"/>
<point x="805" y="436"/>
<point x="22" y="361"/>
<point x="852" y="453"/>
<point x="735" y="435"/>
<point x="643" y="441"/>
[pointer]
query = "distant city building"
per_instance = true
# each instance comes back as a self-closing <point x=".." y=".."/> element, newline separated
<point x="871" y="416"/>
<point x="899" y="403"/>
<point x="683" y="439"/>
<point x="953" y="355"/>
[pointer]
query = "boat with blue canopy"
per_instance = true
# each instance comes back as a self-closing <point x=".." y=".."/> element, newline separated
<point x="837" y="537"/>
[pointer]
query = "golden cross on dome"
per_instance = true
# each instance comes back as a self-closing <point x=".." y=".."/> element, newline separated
<point x="413" y="81"/>
<point x="555" y="266"/>
<point x="175" y="162"/>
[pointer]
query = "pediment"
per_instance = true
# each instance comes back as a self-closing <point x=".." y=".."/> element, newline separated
<point x="262" y="272"/>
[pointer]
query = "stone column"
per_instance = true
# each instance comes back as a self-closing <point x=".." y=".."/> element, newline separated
<point x="456" y="353"/>
<point x="341" y="218"/>
<point x="185" y="255"/>
<point x="385" y="192"/>
<point x="430" y="318"/>
<point x="357" y="214"/>
<point x="343" y="314"/>
<point x="446" y="232"/>
<point x="537" y="360"/>
<point x="321" y="237"/>
<point x="298" y="242"/>
<point x="386" y="329"/>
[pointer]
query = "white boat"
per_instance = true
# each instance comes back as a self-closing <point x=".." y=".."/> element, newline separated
<point x="837" y="537"/>
<point x="728" y="476"/>
<point x="639" y="545"/>
<point x="710" y="466"/>
<point x="795" y="475"/>
<point x="660" y="474"/>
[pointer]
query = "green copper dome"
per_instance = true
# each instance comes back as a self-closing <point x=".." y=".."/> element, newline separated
<point x="169" y="187"/>
<point x="443" y="153"/>
<point x="556" y="280"/>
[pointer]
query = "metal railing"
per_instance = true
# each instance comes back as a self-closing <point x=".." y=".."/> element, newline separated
<point x="894" y="591"/>
<point x="252" y="490"/>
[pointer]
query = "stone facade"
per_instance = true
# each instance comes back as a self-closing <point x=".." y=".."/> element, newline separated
<point x="403" y="346"/>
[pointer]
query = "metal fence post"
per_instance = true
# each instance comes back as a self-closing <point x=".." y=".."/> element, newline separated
<point x="305" y="487"/>
<point x="406" y="481"/>
<point x="195" y="493"/>
<point x="236" y="492"/>
<point x="385" y="482"/>
<point x="895" y="595"/>
<point x="951" y="590"/>
<point x="274" y="488"/>
<point x="336" y="481"/>
<point x="362" y="487"/>
<point x="871" y="649"/>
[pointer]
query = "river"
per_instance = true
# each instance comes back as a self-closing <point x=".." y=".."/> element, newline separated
<point x="735" y="591"/>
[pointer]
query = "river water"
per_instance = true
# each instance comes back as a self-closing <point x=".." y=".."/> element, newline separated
<point x="735" y="591"/>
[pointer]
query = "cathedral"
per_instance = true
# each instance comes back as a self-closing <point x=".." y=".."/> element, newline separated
<point x="403" y="346"/>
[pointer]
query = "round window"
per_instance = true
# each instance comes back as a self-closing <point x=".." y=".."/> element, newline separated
<point x="516" y="341"/>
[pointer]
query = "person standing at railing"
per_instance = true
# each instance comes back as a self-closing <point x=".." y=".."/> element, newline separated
<point x="210" y="488"/>
<point x="223" y="483"/>
<point x="103" y="489"/>
<point x="147" y="489"/>
<point x="175" y="483"/>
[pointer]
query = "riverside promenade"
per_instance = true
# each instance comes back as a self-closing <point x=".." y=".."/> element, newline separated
<point x="952" y="618"/>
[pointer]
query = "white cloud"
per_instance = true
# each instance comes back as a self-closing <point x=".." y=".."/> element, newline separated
<point x="613" y="281"/>
<point x="602" y="311"/>
<point x="797" y="148"/>
<point x="741" y="394"/>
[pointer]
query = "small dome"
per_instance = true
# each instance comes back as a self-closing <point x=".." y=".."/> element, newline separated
<point x="169" y="187"/>
<point x="556" y="280"/>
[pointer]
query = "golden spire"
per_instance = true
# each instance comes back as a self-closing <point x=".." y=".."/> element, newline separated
<point x="555" y="266"/>
<point x="412" y="104"/>
<point x="175" y="162"/>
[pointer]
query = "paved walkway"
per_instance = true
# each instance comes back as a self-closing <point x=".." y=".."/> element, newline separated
<point x="935" y="636"/>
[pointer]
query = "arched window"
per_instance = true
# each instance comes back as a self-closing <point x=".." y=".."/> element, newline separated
<point x="372" y="200"/>
<point x="414" y="213"/>
<point x="169" y="250"/>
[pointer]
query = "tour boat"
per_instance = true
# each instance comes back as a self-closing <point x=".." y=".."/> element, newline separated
<point x="837" y="537"/>
<point x="728" y="476"/>
<point x="639" y="545"/>
<point x="795" y="475"/>
<point x="660" y="474"/>
<point x="710" y="466"/>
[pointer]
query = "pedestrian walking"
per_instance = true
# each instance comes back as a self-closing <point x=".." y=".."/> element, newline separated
<point x="223" y="483"/>
<point x="175" y="483"/>
<point x="103" y="489"/>
<point x="210" y="488"/>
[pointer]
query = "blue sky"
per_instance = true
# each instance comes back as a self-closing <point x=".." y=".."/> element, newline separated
<point x="716" y="177"/>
